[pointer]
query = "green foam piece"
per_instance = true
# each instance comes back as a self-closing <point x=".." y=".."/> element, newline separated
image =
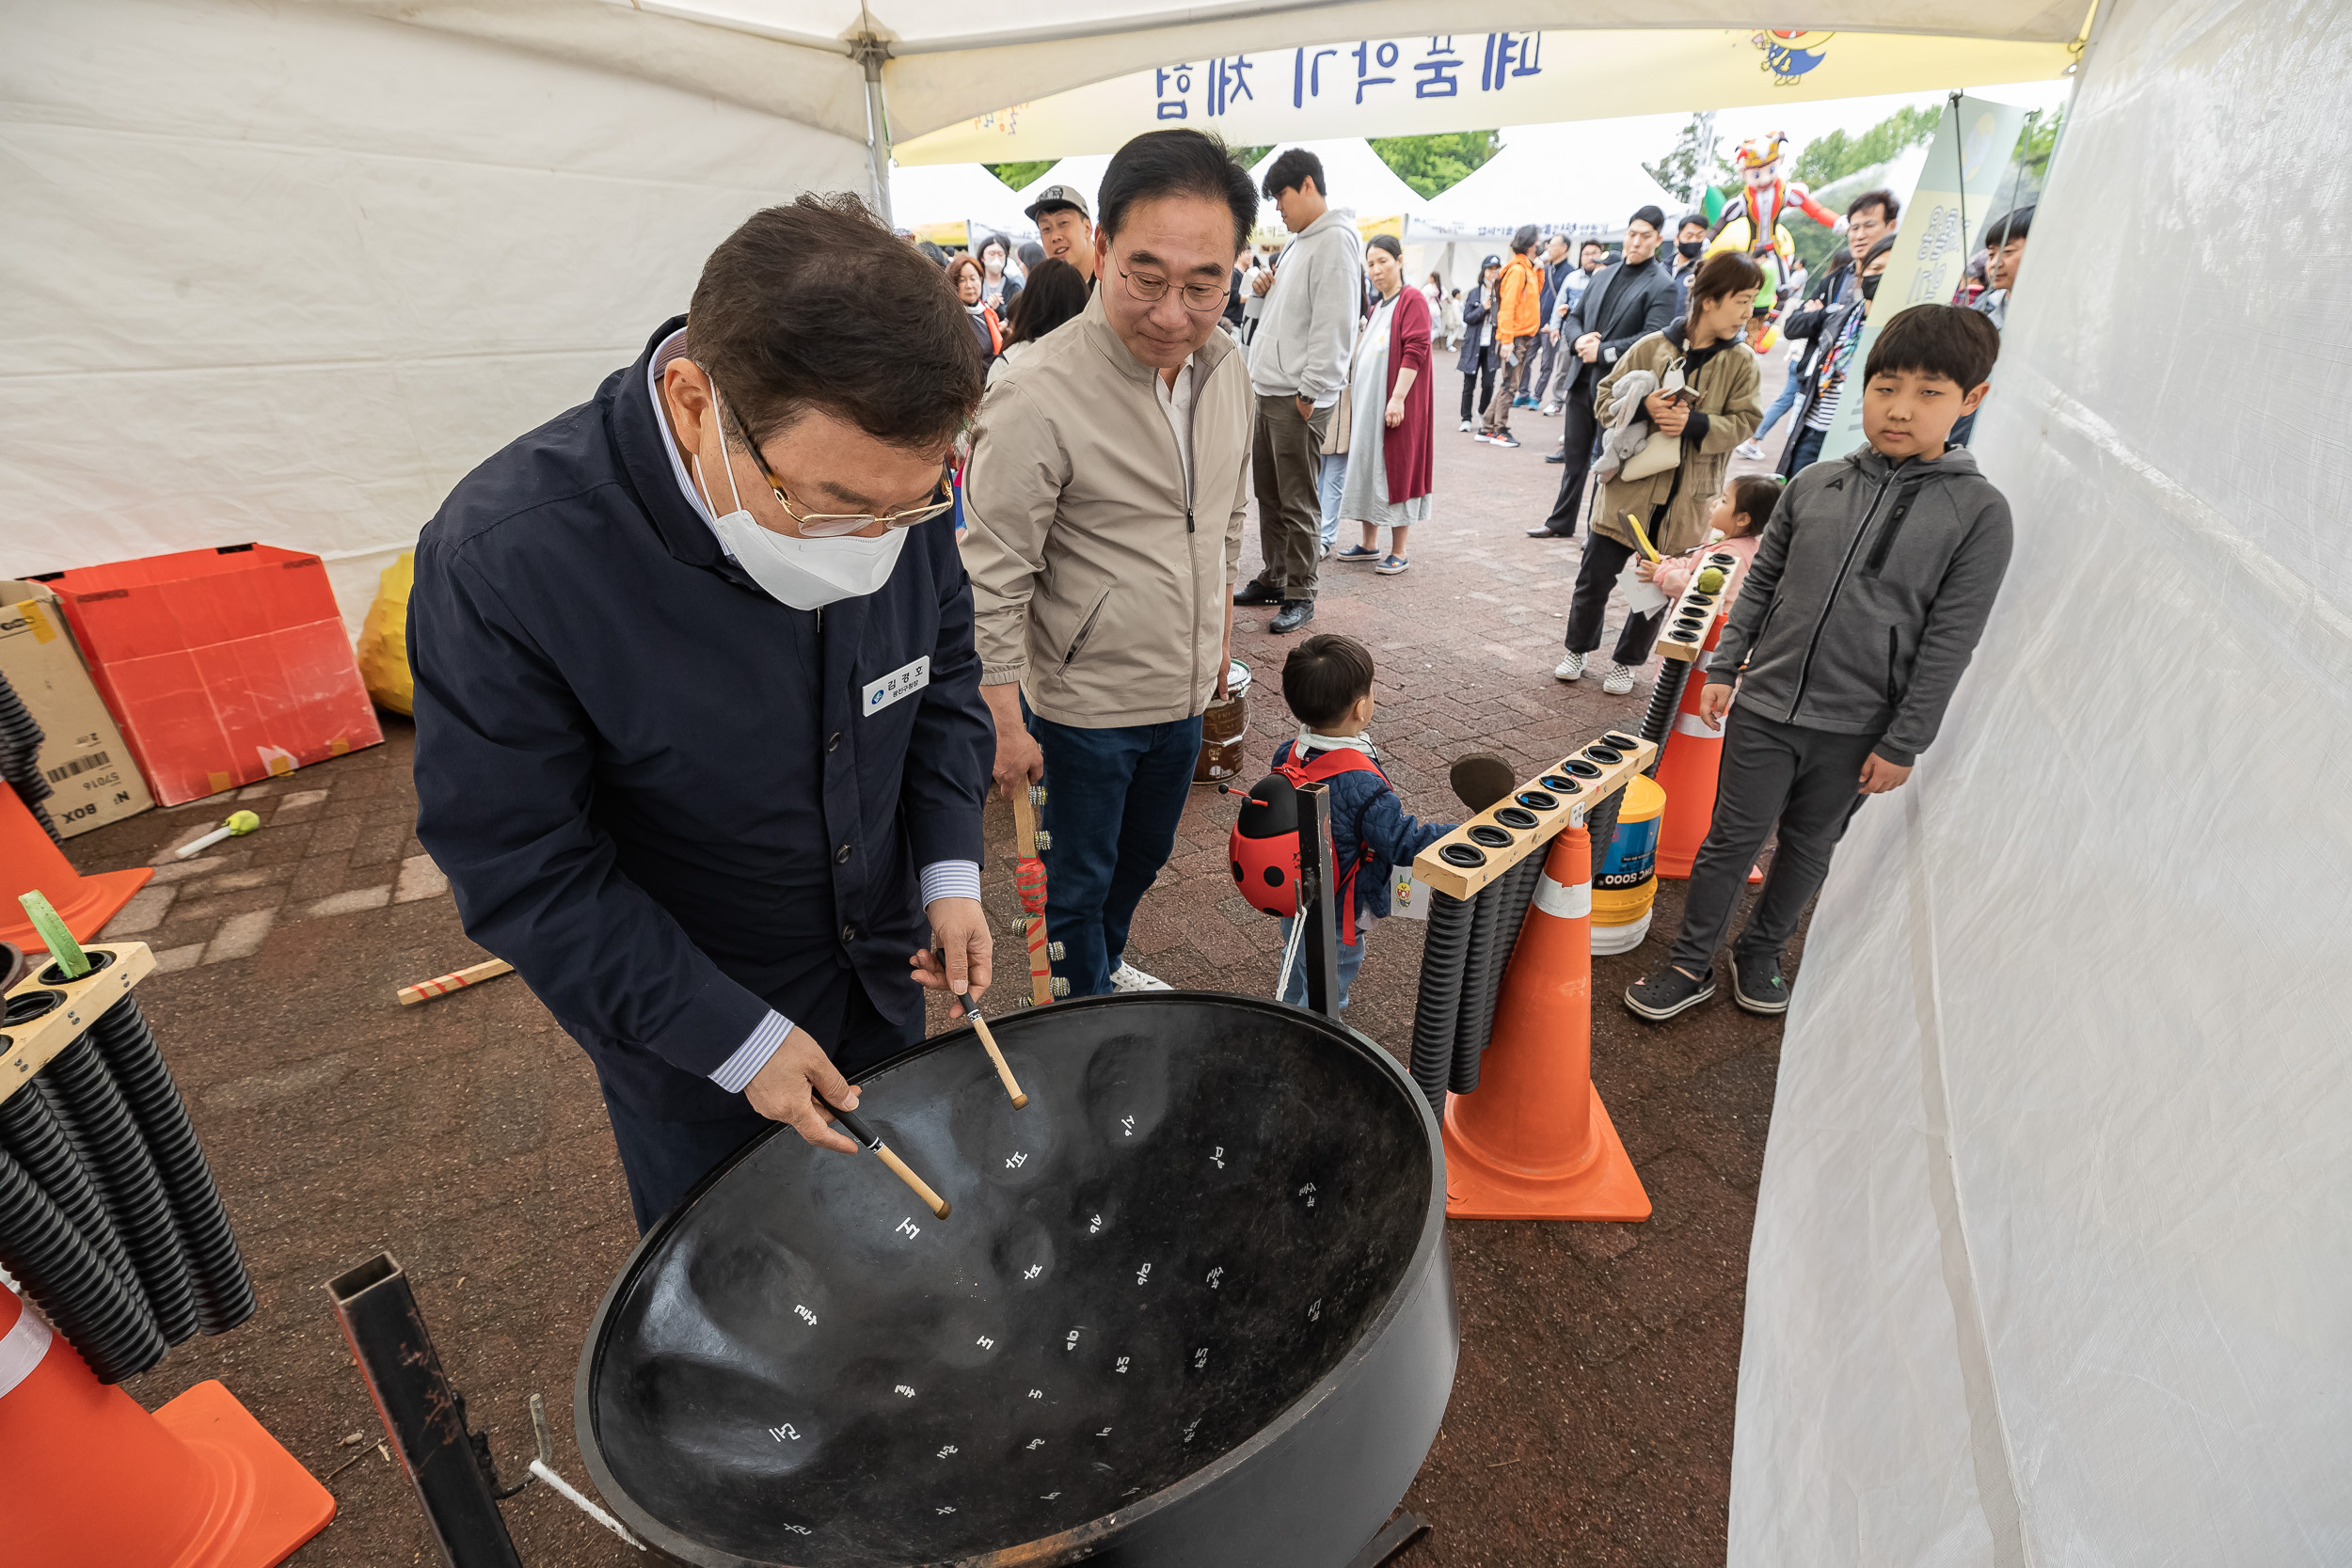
<point x="55" y="936"/>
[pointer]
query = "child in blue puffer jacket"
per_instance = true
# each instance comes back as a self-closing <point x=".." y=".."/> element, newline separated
<point x="1328" y="683"/>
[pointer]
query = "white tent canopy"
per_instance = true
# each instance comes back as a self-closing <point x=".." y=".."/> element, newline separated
<point x="1361" y="181"/>
<point x="1083" y="174"/>
<point x="932" y="194"/>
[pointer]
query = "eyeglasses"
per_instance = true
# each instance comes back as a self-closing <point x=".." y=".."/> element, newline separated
<point x="833" y="525"/>
<point x="1195" y="296"/>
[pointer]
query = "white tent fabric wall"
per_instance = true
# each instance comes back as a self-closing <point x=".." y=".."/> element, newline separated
<point x="2052" y="1252"/>
<point x="956" y="193"/>
<point x="1362" y="180"/>
<point x="1084" y="173"/>
<point x="287" y="273"/>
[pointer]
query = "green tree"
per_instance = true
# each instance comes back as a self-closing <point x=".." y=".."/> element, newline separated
<point x="1248" y="156"/>
<point x="1430" y="164"/>
<point x="1828" y="159"/>
<point x="1018" y="175"/>
<point x="1692" y="164"/>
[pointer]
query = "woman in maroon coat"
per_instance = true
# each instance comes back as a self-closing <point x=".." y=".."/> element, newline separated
<point x="1388" y="457"/>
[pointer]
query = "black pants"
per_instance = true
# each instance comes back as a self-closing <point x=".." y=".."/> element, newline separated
<point x="1804" y="782"/>
<point x="1604" y="562"/>
<point x="1579" y="429"/>
<point x="1485" y="395"/>
<point x="665" y="1160"/>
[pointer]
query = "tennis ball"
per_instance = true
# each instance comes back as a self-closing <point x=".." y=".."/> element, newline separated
<point x="241" y="822"/>
<point x="1710" y="581"/>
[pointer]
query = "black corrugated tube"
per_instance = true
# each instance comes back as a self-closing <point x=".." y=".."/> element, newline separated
<point x="1665" y="701"/>
<point x="1601" y="822"/>
<point x="223" y="1291"/>
<point x="1478" y="963"/>
<point x="20" y="757"/>
<point x="29" y="1133"/>
<point x="100" y="1316"/>
<point x="99" y="1125"/>
<point x="1444" y="947"/>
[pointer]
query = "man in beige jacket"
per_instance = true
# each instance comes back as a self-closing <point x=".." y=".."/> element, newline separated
<point x="1105" y="494"/>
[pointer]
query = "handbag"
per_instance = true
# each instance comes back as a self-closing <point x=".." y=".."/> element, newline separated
<point x="1338" y="433"/>
<point x="1660" y="453"/>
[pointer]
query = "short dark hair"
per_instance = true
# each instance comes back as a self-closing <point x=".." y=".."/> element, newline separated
<point x="1391" y="244"/>
<point x="1592" y="245"/>
<point x="1323" y="677"/>
<point x="1054" y="293"/>
<point x="930" y="253"/>
<point x="1937" y="339"/>
<point x="998" y="241"/>
<point x="1753" y="497"/>
<point x="1889" y="208"/>
<point x="1524" y="239"/>
<point x="1690" y="220"/>
<point x="1179" y="162"/>
<point x="1650" y="215"/>
<point x="2007" y="227"/>
<point x="1293" y="169"/>
<point x="1031" y="254"/>
<point x="816" y="306"/>
<point x="1727" y="272"/>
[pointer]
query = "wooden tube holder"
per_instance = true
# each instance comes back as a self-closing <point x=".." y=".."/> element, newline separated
<point x="1432" y="870"/>
<point x="26" y="1047"/>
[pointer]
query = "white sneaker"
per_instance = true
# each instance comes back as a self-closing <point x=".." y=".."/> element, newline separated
<point x="1750" y="451"/>
<point x="1570" y="668"/>
<point x="1128" y="977"/>
<point x="1465" y="427"/>
<point x="1618" y="681"/>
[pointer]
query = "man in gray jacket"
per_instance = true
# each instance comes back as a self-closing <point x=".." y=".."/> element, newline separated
<point x="1847" y="640"/>
<point x="1298" y="364"/>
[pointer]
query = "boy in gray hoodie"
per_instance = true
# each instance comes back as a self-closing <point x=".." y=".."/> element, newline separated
<point x="1863" y="608"/>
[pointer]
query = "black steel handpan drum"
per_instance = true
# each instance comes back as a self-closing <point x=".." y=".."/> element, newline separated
<point x="1191" y="1306"/>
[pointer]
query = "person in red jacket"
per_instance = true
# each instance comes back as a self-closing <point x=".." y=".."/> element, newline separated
<point x="1388" y="459"/>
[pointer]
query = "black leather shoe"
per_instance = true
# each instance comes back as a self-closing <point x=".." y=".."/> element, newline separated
<point x="1547" y="533"/>
<point x="1295" y="613"/>
<point x="1557" y="457"/>
<point x="1258" y="593"/>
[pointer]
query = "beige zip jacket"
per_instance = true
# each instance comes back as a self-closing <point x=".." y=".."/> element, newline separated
<point x="1099" y="577"/>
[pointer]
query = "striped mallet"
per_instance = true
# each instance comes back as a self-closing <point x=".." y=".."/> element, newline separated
<point x="441" y="985"/>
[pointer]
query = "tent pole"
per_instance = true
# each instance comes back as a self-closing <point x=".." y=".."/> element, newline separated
<point x="869" y="51"/>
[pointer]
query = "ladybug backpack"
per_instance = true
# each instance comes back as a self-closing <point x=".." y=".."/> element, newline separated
<point x="1263" y="848"/>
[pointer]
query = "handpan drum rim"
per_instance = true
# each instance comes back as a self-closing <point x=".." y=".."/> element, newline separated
<point x="1100" y="1534"/>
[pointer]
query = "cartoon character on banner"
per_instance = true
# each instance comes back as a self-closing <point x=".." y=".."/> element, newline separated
<point x="1752" y="222"/>
<point x="1788" y="56"/>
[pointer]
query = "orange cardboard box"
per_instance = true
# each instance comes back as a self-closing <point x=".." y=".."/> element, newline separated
<point x="222" y="666"/>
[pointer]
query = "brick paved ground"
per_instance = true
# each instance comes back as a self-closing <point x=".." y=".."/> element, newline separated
<point x="1591" y="1422"/>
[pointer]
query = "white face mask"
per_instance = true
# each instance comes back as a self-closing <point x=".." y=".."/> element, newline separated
<point x="806" y="574"/>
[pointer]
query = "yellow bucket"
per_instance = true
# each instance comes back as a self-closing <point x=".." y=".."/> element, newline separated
<point x="1628" y="883"/>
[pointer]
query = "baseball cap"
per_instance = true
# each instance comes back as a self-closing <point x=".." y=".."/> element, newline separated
<point x="1491" y="261"/>
<point x="1053" y="196"/>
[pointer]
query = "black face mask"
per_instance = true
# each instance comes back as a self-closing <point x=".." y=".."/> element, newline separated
<point x="1690" y="247"/>
<point x="1869" y="288"/>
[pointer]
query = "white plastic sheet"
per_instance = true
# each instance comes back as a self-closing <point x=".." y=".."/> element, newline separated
<point x="2053" y="1256"/>
<point x="286" y="273"/>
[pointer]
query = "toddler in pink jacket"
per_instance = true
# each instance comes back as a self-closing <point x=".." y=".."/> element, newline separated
<point x="1740" y="515"/>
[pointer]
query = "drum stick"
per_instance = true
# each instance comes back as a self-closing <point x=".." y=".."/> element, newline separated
<point x="855" y="1125"/>
<point x="1003" y="1070"/>
<point x="441" y="985"/>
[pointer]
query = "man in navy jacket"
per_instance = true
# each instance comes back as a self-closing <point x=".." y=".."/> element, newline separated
<point x="697" y="704"/>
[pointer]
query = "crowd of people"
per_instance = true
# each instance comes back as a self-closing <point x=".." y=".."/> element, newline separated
<point x="731" y="890"/>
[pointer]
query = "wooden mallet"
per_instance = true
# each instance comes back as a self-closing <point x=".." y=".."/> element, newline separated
<point x="1003" y="1070"/>
<point x="441" y="985"/>
<point x="855" y="1125"/>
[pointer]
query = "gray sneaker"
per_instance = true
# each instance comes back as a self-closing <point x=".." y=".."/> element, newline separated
<point x="1669" y="991"/>
<point x="1756" y="986"/>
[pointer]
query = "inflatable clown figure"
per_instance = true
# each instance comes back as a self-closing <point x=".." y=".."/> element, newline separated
<point x="1752" y="223"/>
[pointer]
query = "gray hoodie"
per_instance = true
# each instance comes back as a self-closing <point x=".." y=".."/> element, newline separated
<point x="1868" y="595"/>
<point x="1307" y="334"/>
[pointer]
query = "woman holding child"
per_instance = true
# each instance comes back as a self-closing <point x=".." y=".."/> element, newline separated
<point x="1703" y="398"/>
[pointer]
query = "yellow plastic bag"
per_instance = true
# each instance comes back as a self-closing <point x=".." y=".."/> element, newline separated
<point x="384" y="638"/>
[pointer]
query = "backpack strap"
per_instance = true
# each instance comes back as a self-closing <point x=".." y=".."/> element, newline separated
<point x="1318" y="768"/>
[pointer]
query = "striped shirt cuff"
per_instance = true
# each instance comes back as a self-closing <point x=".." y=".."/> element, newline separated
<point x="760" y="1044"/>
<point x="951" y="879"/>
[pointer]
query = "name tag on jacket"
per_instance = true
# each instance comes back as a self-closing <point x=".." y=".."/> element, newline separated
<point x="901" y="682"/>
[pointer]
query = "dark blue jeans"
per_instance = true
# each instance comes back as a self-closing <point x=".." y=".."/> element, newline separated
<point x="1806" y="445"/>
<point x="1112" y="801"/>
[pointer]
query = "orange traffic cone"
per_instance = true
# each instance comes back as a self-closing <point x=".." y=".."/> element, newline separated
<point x="28" y="861"/>
<point x="93" y="1479"/>
<point x="1534" y="1141"/>
<point x="1687" y="766"/>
